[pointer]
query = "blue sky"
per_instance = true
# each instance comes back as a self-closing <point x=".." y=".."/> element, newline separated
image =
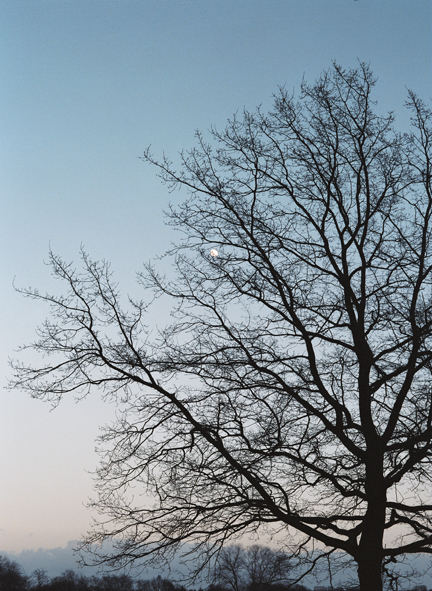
<point x="86" y="86"/>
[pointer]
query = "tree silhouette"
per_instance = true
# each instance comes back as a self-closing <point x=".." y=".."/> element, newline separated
<point x="256" y="568"/>
<point x="39" y="578"/>
<point x="11" y="577"/>
<point x="292" y="388"/>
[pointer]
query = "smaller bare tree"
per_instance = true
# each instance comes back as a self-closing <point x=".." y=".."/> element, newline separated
<point x="251" y="569"/>
<point x="39" y="578"/>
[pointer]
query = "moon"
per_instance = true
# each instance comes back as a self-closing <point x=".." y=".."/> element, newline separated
<point x="214" y="252"/>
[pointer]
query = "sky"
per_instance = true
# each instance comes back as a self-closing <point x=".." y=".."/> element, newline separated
<point x="86" y="86"/>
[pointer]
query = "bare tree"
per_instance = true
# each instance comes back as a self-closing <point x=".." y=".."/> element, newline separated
<point x="39" y="578"/>
<point x="228" y="570"/>
<point x="265" y="567"/>
<point x="292" y="388"/>
<point x="11" y="577"/>
<point x="251" y="569"/>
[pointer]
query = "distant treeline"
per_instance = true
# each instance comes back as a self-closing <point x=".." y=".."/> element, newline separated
<point x="13" y="579"/>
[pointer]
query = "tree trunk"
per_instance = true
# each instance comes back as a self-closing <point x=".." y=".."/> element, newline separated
<point x="370" y="554"/>
<point x="370" y="573"/>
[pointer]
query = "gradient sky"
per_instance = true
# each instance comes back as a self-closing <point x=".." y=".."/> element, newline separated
<point x="86" y="86"/>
